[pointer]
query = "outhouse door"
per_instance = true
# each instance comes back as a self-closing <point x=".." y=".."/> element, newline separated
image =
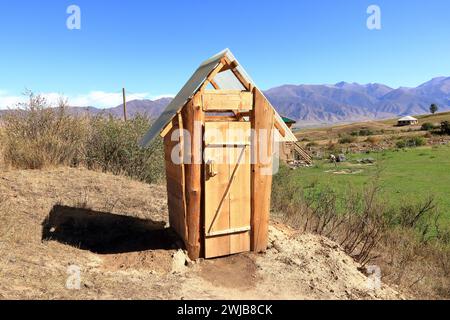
<point x="227" y="205"/>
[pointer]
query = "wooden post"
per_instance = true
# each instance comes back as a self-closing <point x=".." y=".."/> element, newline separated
<point x="192" y="115"/>
<point x="124" y="105"/>
<point x="262" y="119"/>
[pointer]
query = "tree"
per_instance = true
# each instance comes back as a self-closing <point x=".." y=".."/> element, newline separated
<point x="433" y="108"/>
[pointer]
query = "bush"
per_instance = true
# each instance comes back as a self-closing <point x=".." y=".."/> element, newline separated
<point x="445" y="127"/>
<point x="311" y="144"/>
<point x="416" y="141"/>
<point x="37" y="135"/>
<point x="356" y="221"/>
<point x="347" y="139"/>
<point x="405" y="240"/>
<point x="365" y="132"/>
<point x="400" y="144"/>
<point x="362" y="132"/>
<point x="427" y="126"/>
<point x="113" y="146"/>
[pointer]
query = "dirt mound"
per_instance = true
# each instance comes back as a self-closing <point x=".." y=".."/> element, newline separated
<point x="236" y="271"/>
<point x="115" y="231"/>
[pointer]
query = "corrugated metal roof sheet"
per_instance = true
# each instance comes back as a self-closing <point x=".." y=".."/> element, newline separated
<point x="225" y="80"/>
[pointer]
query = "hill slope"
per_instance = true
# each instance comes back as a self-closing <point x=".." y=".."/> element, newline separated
<point x="114" y="230"/>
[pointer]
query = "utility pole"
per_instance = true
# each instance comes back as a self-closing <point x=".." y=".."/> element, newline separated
<point x="124" y="105"/>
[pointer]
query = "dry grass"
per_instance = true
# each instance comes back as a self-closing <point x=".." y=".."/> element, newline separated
<point x="113" y="228"/>
<point x="38" y="136"/>
<point x="420" y="268"/>
<point x="408" y="242"/>
<point x="358" y="229"/>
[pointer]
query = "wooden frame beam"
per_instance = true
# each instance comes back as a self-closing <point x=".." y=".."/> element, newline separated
<point x="279" y="127"/>
<point x="230" y="65"/>
<point x="214" y="84"/>
<point x="167" y="128"/>
<point x="247" y="85"/>
<point x="212" y="75"/>
<point x="192" y="115"/>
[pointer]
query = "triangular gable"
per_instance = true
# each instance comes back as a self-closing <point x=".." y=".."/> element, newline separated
<point x="225" y="80"/>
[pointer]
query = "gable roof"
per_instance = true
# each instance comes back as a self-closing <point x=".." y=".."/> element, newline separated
<point x="225" y="80"/>
<point x="407" y="118"/>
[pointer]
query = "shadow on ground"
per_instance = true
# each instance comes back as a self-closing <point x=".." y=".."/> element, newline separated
<point x="106" y="233"/>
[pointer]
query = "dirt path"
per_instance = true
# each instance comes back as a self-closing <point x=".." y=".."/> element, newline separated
<point x="115" y="230"/>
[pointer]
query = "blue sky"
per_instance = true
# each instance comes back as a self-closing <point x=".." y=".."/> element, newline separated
<point x="152" y="47"/>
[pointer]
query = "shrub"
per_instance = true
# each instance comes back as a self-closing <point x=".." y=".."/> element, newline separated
<point x="365" y="132"/>
<point x="36" y="135"/>
<point x="427" y="126"/>
<point x="405" y="240"/>
<point x="311" y="144"/>
<point x="400" y="144"/>
<point x="355" y="221"/>
<point x="347" y="139"/>
<point x="416" y="141"/>
<point x="445" y="127"/>
<point x="373" y="140"/>
<point x="113" y="146"/>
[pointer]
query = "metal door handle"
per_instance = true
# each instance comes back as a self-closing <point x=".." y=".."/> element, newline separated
<point x="211" y="168"/>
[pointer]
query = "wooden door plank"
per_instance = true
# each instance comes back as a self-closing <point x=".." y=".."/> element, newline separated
<point x="217" y="206"/>
<point x="240" y="207"/>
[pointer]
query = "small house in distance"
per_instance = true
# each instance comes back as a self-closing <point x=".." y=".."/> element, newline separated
<point x="407" y="121"/>
<point x="292" y="152"/>
<point x="218" y="164"/>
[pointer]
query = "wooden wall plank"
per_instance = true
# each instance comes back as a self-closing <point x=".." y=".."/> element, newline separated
<point x="175" y="199"/>
<point x="262" y="119"/>
<point x="217" y="100"/>
<point x="193" y="118"/>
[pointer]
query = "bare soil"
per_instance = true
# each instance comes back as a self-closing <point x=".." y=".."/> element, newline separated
<point x="116" y="231"/>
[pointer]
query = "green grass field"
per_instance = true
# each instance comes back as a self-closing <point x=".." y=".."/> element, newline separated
<point x="408" y="175"/>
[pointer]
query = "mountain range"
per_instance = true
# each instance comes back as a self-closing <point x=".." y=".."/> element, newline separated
<point x="324" y="104"/>
<point x="344" y="102"/>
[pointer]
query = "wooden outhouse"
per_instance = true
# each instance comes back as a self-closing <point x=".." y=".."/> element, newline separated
<point x="219" y="133"/>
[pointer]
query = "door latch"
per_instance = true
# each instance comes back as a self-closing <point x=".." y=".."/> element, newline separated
<point x="211" y="168"/>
